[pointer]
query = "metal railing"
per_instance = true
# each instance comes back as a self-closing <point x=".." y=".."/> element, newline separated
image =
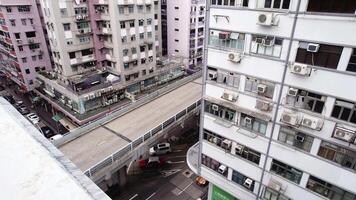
<point x="125" y="109"/>
<point x="135" y="143"/>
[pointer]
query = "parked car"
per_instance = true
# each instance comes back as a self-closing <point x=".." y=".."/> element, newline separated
<point x="23" y="110"/>
<point x="159" y="149"/>
<point x="10" y="99"/>
<point x="153" y="162"/>
<point x="47" y="132"/>
<point x="56" y="137"/>
<point x="201" y="181"/>
<point x="18" y="103"/>
<point x="33" y="118"/>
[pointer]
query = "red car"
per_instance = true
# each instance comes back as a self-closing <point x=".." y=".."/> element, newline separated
<point x="152" y="162"/>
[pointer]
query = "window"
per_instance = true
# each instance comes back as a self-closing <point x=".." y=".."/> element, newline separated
<point x="34" y="58"/>
<point x="20" y="48"/>
<point x="176" y="40"/>
<point x="142" y="35"/>
<point x="226" y="40"/>
<point x="253" y="124"/>
<point x="344" y="110"/>
<point x="66" y="27"/>
<point x="213" y="164"/>
<point x="332" y="6"/>
<point x="24" y="60"/>
<point x="123" y="39"/>
<point x="31" y="20"/>
<point x="12" y="22"/>
<point x="140" y="8"/>
<point x="133" y="50"/>
<point x="240" y="179"/>
<point x="71" y="55"/>
<point x="328" y="190"/>
<point x="131" y="8"/>
<point x="149" y="34"/>
<point x="227" y="78"/>
<point x="23" y="21"/>
<point x="266" y="45"/>
<point x="30" y="34"/>
<point x="140" y="22"/>
<point x="125" y="52"/>
<point x="327" y="56"/>
<point x="149" y="21"/>
<point x="176" y="8"/>
<point x="122" y="25"/>
<point x="352" y="63"/>
<point x="142" y="48"/>
<point x="27" y="71"/>
<point x="270" y="194"/>
<point x="286" y="171"/>
<point x="143" y="60"/>
<point x="307" y="100"/>
<point x="176" y="50"/>
<point x="17" y="35"/>
<point x="40" y="57"/>
<point x="8" y="9"/>
<point x="87" y="52"/>
<point x="132" y="23"/>
<point x="23" y="8"/>
<point x="337" y="154"/>
<point x="220" y="111"/>
<point x="236" y="3"/>
<point x="176" y="19"/>
<point x="121" y="9"/>
<point x="133" y="37"/>
<point x="276" y="4"/>
<point x="30" y="82"/>
<point x="176" y="29"/>
<point x="295" y="138"/>
<point x="251" y="85"/>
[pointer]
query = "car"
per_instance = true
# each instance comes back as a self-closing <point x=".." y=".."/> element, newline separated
<point x="153" y="162"/>
<point x="201" y="181"/>
<point x="56" y="137"/>
<point x="23" y="110"/>
<point x="10" y="99"/>
<point x="18" y="103"/>
<point x="47" y="132"/>
<point x="160" y="149"/>
<point x="33" y="118"/>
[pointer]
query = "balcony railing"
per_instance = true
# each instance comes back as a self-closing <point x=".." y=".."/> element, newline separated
<point x="214" y="41"/>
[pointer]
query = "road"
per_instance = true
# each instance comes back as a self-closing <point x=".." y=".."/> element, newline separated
<point x="174" y="182"/>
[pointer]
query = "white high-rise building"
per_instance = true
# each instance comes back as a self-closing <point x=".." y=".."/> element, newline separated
<point x="279" y="114"/>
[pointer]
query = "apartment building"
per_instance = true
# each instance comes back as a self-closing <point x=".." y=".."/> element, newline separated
<point x="185" y="30"/>
<point x="23" y="47"/>
<point x="104" y="51"/>
<point x="279" y="118"/>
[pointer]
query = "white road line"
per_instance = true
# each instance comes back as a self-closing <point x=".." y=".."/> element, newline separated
<point x="175" y="162"/>
<point x="185" y="188"/>
<point x="151" y="196"/>
<point x="134" y="196"/>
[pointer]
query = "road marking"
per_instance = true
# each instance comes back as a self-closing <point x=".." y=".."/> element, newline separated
<point x="151" y="196"/>
<point x="175" y="162"/>
<point x="134" y="196"/>
<point x="183" y="156"/>
<point x="170" y="172"/>
<point x="185" y="188"/>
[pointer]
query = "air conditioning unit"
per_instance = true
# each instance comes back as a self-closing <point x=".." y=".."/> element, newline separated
<point x="19" y="41"/>
<point x="312" y="47"/>
<point x="312" y="122"/>
<point x="265" y="19"/>
<point x="234" y="57"/>
<point x="259" y="40"/>
<point x="212" y="74"/>
<point x="275" y="185"/>
<point x="91" y="96"/>
<point x="222" y="169"/>
<point x="239" y="149"/>
<point x="215" y="107"/>
<point x="31" y="40"/>
<point x="293" y="92"/>
<point x="261" y="88"/>
<point x="248" y="120"/>
<point x="248" y="183"/>
<point x="344" y="134"/>
<point x="229" y="96"/>
<point x="262" y="105"/>
<point x="226" y="144"/>
<point x="299" y="138"/>
<point x="300" y="69"/>
<point x="290" y="118"/>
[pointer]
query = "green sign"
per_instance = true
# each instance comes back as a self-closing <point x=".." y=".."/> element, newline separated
<point x="219" y="194"/>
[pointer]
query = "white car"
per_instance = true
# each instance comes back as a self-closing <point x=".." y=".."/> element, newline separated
<point x="33" y="118"/>
<point x="160" y="149"/>
<point x="56" y="137"/>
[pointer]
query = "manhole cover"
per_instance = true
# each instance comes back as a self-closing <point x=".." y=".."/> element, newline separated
<point x="187" y="173"/>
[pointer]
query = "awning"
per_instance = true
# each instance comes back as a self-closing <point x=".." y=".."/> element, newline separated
<point x="67" y="124"/>
<point x="112" y="78"/>
<point x="57" y="117"/>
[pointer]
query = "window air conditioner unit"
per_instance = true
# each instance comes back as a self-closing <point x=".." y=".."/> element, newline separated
<point x="344" y="134"/>
<point x="222" y="169"/>
<point x="234" y="57"/>
<point x="261" y="88"/>
<point x="300" y="69"/>
<point x="215" y="107"/>
<point x="248" y="183"/>
<point x="275" y="185"/>
<point x="265" y="19"/>
<point x="312" y="122"/>
<point x="259" y="40"/>
<point x="293" y="92"/>
<point x="312" y="47"/>
<point x="229" y="96"/>
<point x="289" y="118"/>
<point x="262" y="105"/>
<point x="212" y="74"/>
<point x="226" y="144"/>
<point x="239" y="149"/>
<point x="248" y="120"/>
<point x="299" y="138"/>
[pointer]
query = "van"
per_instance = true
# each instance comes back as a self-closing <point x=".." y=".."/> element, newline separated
<point x="159" y="149"/>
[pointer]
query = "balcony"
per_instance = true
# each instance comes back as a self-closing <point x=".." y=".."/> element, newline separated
<point x="125" y="2"/>
<point x="193" y="157"/>
<point x="84" y="31"/>
<point x="83" y="59"/>
<point x="192" y="25"/>
<point x="81" y="17"/>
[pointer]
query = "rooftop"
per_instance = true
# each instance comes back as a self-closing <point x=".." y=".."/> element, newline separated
<point x="32" y="168"/>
